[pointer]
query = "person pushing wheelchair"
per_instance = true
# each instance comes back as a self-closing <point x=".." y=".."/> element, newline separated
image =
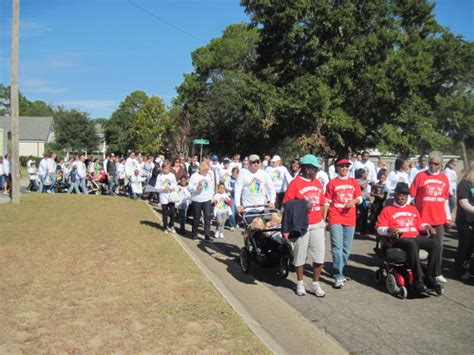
<point x="402" y="224"/>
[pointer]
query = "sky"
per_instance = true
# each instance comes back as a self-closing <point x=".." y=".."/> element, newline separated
<point x="90" y="54"/>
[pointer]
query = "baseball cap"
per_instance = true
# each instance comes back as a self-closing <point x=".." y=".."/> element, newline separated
<point x="342" y="162"/>
<point x="214" y="157"/>
<point x="276" y="158"/>
<point x="112" y="154"/>
<point x="310" y="159"/>
<point x="402" y="188"/>
<point x="254" y="157"/>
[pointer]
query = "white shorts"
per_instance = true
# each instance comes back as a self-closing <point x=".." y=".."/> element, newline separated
<point x="314" y="240"/>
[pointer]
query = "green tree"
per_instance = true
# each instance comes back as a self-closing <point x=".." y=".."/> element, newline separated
<point x="27" y="108"/>
<point x="119" y="128"/>
<point x="74" y="130"/>
<point x="354" y="74"/>
<point x="150" y="125"/>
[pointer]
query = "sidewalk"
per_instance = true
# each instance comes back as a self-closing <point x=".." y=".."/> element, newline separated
<point x="278" y="325"/>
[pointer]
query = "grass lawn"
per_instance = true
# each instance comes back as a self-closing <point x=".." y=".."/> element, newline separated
<point x="82" y="274"/>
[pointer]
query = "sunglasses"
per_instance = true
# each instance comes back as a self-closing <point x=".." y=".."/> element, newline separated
<point x="255" y="162"/>
<point x="344" y="166"/>
<point x="434" y="163"/>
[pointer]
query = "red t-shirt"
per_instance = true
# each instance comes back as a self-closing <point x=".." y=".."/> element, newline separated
<point x="431" y="192"/>
<point x="310" y="190"/>
<point x="339" y="192"/>
<point x="407" y="219"/>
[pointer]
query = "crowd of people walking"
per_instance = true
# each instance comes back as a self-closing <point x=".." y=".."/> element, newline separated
<point x="412" y="203"/>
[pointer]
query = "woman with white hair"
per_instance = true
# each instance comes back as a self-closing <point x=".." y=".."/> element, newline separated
<point x="431" y="192"/>
<point x="465" y="225"/>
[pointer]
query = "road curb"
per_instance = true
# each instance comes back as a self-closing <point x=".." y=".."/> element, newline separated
<point x="270" y="341"/>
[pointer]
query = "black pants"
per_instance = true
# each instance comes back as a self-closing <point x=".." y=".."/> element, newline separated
<point x="362" y="216"/>
<point x="205" y="207"/>
<point x="168" y="214"/>
<point x="279" y="200"/>
<point x="412" y="247"/>
<point x="465" y="247"/>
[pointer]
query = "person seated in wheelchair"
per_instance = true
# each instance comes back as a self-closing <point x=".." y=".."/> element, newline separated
<point x="403" y="228"/>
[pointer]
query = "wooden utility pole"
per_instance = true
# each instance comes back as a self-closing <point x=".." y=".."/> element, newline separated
<point x="14" y="104"/>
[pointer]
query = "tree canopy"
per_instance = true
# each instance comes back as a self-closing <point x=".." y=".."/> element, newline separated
<point x="332" y="76"/>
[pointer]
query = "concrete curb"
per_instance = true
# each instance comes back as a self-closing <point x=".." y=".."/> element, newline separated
<point x="270" y="341"/>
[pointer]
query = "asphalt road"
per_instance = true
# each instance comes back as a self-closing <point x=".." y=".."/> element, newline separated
<point x="362" y="316"/>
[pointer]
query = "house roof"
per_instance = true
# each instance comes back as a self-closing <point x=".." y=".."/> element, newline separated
<point x="31" y="128"/>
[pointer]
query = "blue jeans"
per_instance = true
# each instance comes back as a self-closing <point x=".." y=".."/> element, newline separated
<point x="232" y="217"/>
<point x="1" y="182"/>
<point x="341" y="246"/>
<point x="182" y="212"/>
<point x="41" y="183"/>
<point x="82" y="184"/>
<point x="74" y="187"/>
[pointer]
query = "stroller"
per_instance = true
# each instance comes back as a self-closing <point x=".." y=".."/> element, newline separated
<point x="60" y="184"/>
<point x="394" y="271"/>
<point x="93" y="187"/>
<point x="264" y="246"/>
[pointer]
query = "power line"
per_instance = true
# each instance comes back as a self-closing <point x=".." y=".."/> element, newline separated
<point x="165" y="22"/>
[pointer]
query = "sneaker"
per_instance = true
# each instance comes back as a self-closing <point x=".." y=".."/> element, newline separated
<point x="232" y="229"/>
<point x="208" y="239"/>
<point x="441" y="279"/>
<point x="300" y="290"/>
<point x="432" y="283"/>
<point x="316" y="288"/>
<point x="172" y="230"/>
<point x="221" y="235"/>
<point x="339" y="283"/>
<point x="217" y="234"/>
<point x="167" y="230"/>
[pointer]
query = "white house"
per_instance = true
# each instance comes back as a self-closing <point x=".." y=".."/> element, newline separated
<point x="35" y="132"/>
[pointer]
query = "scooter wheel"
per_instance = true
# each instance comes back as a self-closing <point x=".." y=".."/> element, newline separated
<point x="403" y="293"/>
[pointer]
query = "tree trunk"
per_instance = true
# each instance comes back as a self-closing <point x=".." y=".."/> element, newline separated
<point x="464" y="155"/>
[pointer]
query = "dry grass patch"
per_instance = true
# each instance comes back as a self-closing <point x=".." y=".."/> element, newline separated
<point x="93" y="274"/>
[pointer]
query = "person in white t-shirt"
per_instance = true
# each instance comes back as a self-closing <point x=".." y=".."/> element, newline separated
<point x="2" y="174"/>
<point x="201" y="185"/>
<point x="398" y="175"/>
<point x="81" y="172"/>
<point x="281" y="178"/>
<point x="254" y="187"/>
<point x="166" y="184"/>
<point x="450" y="171"/>
<point x="7" y="174"/>
<point x="51" y="172"/>
<point x="369" y="167"/>
<point x="421" y="166"/>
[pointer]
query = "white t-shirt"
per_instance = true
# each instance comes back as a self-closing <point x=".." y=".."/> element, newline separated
<point x="221" y="207"/>
<point x="6" y="166"/>
<point x="201" y="187"/>
<point x="254" y="188"/>
<point x="43" y="168"/>
<point x="393" y="179"/>
<point x="165" y="184"/>
<point x="369" y="167"/>
<point x="81" y="168"/>
<point x="453" y="180"/>
<point x="332" y="172"/>
<point x="130" y="166"/>
<point x="136" y="183"/>
<point x="2" y="172"/>
<point x="323" y="179"/>
<point x="280" y="176"/>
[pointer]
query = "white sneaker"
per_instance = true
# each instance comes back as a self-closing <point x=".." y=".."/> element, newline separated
<point x="441" y="279"/>
<point x="232" y="229"/>
<point x="217" y="235"/>
<point x="316" y="288"/>
<point x="221" y="235"/>
<point x="339" y="283"/>
<point x="300" y="290"/>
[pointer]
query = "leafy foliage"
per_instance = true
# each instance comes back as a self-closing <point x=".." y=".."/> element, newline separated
<point x="75" y="131"/>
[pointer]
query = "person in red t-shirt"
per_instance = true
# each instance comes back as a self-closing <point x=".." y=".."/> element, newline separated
<point x="403" y="224"/>
<point x="306" y="186"/>
<point x="342" y="195"/>
<point x="430" y="188"/>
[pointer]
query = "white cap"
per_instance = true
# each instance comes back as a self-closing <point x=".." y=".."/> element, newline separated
<point x="276" y="158"/>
